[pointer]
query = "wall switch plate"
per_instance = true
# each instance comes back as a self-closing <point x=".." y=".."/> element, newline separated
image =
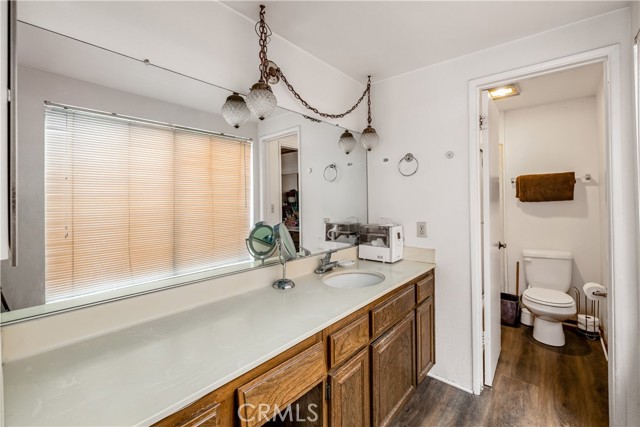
<point x="421" y="229"/>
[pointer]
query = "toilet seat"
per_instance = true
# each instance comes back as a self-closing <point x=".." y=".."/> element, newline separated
<point x="548" y="297"/>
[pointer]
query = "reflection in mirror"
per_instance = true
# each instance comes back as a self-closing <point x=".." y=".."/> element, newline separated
<point x="130" y="180"/>
<point x="262" y="241"/>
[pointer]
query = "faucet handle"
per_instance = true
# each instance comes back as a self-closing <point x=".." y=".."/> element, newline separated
<point x="327" y="256"/>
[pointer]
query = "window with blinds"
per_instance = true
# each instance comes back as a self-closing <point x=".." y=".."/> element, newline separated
<point x="127" y="202"/>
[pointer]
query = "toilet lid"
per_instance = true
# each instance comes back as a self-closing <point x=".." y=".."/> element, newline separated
<point x="549" y="297"/>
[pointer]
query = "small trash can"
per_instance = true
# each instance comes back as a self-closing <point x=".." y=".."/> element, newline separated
<point x="509" y="309"/>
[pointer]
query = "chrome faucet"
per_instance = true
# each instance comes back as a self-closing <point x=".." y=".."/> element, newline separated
<point x="304" y="251"/>
<point x="326" y="264"/>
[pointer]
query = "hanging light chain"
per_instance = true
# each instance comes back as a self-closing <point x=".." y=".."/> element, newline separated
<point x="281" y="75"/>
<point x="264" y="35"/>
<point x="271" y="73"/>
<point x="369" y="101"/>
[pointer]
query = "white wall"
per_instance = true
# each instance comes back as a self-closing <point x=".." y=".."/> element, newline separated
<point x="36" y="87"/>
<point x="635" y="29"/>
<point x="425" y="112"/>
<point x="4" y="225"/>
<point x="558" y="137"/>
<point x="635" y="18"/>
<point x="319" y="199"/>
<point x="203" y="39"/>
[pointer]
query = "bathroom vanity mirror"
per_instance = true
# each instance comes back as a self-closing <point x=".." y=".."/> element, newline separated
<point x="130" y="181"/>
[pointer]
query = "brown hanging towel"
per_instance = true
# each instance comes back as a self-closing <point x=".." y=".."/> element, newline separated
<point x="548" y="187"/>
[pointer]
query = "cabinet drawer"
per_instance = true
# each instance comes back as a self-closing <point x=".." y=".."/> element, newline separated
<point x="424" y="287"/>
<point x="390" y="312"/>
<point x="199" y="414"/>
<point x="281" y="386"/>
<point x="348" y="340"/>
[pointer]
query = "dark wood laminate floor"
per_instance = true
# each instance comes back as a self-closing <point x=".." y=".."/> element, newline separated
<point x="535" y="385"/>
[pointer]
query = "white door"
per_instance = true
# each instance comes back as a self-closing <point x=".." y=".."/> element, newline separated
<point x="273" y="196"/>
<point x="492" y="236"/>
<point x="272" y="207"/>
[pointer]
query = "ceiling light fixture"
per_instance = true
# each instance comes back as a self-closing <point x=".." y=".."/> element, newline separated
<point x="504" y="91"/>
<point x="347" y="142"/>
<point x="235" y="110"/>
<point x="369" y="138"/>
<point x="261" y="101"/>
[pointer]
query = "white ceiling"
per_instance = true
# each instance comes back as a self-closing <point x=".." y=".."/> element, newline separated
<point x="387" y="38"/>
<point x="576" y="83"/>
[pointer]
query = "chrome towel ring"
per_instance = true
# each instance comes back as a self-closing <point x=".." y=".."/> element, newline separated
<point x="331" y="172"/>
<point x="409" y="169"/>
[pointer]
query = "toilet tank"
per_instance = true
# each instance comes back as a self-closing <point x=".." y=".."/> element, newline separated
<point x="547" y="269"/>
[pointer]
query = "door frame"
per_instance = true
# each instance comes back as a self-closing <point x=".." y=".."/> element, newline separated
<point x="621" y="264"/>
<point x="263" y="140"/>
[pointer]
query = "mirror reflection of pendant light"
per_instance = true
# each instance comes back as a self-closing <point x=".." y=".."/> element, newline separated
<point x="369" y="138"/>
<point x="235" y="110"/>
<point x="262" y="102"/>
<point x="347" y="142"/>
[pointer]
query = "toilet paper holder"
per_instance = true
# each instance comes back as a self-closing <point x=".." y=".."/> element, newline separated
<point x="599" y="293"/>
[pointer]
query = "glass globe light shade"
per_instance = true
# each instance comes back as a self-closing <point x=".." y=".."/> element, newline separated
<point x="347" y="142"/>
<point x="235" y="110"/>
<point x="261" y="100"/>
<point x="369" y="138"/>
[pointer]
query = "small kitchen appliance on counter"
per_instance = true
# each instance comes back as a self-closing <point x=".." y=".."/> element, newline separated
<point x="381" y="242"/>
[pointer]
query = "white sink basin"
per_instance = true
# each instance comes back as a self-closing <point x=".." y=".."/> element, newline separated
<point x="353" y="279"/>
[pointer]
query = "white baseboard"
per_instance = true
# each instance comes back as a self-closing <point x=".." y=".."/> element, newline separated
<point x="435" y="377"/>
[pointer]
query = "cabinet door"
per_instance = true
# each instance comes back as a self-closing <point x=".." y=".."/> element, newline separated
<point x="393" y="370"/>
<point x="350" y="392"/>
<point x="425" y="332"/>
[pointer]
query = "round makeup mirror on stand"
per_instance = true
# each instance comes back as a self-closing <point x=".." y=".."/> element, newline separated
<point x="261" y="243"/>
<point x="287" y="252"/>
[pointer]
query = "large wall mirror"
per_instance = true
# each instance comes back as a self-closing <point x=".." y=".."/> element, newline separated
<point x="130" y="180"/>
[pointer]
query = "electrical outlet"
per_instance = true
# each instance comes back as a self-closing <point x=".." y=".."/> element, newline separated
<point x="421" y="229"/>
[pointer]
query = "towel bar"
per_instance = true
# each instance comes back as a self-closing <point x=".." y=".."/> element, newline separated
<point x="585" y="178"/>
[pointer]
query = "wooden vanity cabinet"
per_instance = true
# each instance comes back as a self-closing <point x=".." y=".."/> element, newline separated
<point x="281" y="386"/>
<point x="359" y="371"/>
<point x="425" y="326"/>
<point x="393" y="370"/>
<point x="202" y="414"/>
<point x="349" y="392"/>
<point x="425" y="338"/>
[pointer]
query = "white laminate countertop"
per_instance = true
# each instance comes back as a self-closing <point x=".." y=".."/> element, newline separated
<point x="140" y="375"/>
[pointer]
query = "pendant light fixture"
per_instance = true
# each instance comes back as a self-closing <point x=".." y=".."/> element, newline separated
<point x="235" y="110"/>
<point x="262" y="102"/>
<point x="347" y="142"/>
<point x="369" y="138"/>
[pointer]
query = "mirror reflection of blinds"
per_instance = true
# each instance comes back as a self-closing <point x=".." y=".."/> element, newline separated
<point x="129" y="202"/>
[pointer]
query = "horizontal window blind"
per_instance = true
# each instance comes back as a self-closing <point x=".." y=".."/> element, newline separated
<point x="128" y="202"/>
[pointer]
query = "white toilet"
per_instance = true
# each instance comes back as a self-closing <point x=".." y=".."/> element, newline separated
<point x="548" y="277"/>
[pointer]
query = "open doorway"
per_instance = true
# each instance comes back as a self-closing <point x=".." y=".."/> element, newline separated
<point x="282" y="173"/>
<point x="555" y="125"/>
<point x="595" y="195"/>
